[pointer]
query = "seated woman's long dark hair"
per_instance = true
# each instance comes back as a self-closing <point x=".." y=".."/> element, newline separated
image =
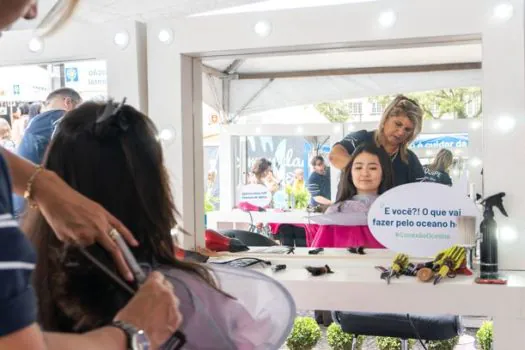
<point x="347" y="190"/>
<point x="111" y="154"/>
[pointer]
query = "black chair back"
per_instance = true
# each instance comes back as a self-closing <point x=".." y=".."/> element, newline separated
<point x="249" y="238"/>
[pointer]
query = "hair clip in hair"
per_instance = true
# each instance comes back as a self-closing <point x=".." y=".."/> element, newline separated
<point x="112" y="111"/>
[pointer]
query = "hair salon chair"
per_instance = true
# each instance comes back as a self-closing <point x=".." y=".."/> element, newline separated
<point x="403" y="326"/>
<point x="250" y="238"/>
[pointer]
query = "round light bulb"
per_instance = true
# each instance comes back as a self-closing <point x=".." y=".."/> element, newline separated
<point x="258" y="130"/>
<point x="351" y="127"/>
<point x="36" y="45"/>
<point x="507" y="234"/>
<point x="337" y="128"/>
<point x="262" y="28"/>
<point x="503" y="11"/>
<point x="387" y="19"/>
<point x="121" y="39"/>
<point x="475" y="162"/>
<point x="299" y="130"/>
<point x="166" y="36"/>
<point x="166" y="136"/>
<point x="436" y="125"/>
<point x="475" y="124"/>
<point x="506" y="124"/>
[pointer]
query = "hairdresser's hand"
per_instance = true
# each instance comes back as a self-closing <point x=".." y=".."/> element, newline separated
<point x="76" y="219"/>
<point x="154" y="309"/>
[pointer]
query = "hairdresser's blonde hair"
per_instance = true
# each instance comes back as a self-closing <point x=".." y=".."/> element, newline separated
<point x="401" y="106"/>
<point x="58" y="16"/>
<point x="443" y="161"/>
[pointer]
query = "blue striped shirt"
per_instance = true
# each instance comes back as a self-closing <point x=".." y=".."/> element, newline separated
<point x="17" y="261"/>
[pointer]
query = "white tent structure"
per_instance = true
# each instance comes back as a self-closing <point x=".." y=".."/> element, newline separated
<point x="256" y="84"/>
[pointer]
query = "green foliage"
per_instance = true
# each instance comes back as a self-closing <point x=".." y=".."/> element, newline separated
<point x="484" y="335"/>
<point x="335" y="112"/>
<point x="209" y="202"/>
<point x="387" y="343"/>
<point x="302" y="196"/>
<point x="305" y="334"/>
<point x="437" y="103"/>
<point x="443" y="344"/>
<point x="339" y="340"/>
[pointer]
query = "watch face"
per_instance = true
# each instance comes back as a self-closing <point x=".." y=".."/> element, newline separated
<point x="140" y="341"/>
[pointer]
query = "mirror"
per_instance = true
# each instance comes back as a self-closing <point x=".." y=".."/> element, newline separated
<point x="258" y="106"/>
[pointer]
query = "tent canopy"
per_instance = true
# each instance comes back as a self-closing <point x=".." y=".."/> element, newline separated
<point x="256" y="84"/>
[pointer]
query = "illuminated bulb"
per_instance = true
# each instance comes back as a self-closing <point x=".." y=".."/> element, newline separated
<point x="475" y="162"/>
<point x="166" y="36"/>
<point x="337" y="128"/>
<point x="436" y="125"/>
<point x="503" y="11"/>
<point x="455" y="172"/>
<point x="121" y="39"/>
<point x="299" y="129"/>
<point x="429" y="152"/>
<point x="506" y="123"/>
<point x="387" y="19"/>
<point x="475" y="124"/>
<point x="166" y="135"/>
<point x="351" y="127"/>
<point x="258" y="130"/>
<point x="262" y="28"/>
<point x="36" y="45"/>
<point x="507" y="234"/>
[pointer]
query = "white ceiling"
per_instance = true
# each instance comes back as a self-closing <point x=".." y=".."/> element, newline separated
<point x="97" y="11"/>
<point x="356" y="59"/>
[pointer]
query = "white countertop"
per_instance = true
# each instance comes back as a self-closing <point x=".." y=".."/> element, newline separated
<point x="355" y="286"/>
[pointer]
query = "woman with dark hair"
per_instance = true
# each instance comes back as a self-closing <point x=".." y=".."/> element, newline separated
<point x="263" y="175"/>
<point x="110" y="154"/>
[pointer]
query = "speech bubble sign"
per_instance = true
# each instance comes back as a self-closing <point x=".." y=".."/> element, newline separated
<point x="419" y="219"/>
<point x="256" y="194"/>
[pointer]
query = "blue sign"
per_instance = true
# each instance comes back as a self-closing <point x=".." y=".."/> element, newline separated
<point x="434" y="141"/>
<point x="71" y="74"/>
<point x="16" y="89"/>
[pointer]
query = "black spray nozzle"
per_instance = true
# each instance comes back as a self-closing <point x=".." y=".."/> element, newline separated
<point x="495" y="201"/>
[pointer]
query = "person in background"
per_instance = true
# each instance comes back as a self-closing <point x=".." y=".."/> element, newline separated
<point x="77" y="220"/>
<point x="438" y="170"/>
<point x="298" y="181"/>
<point x="262" y="174"/>
<point x="5" y="136"/>
<point x="399" y="126"/>
<point x="35" y="109"/>
<point x="40" y="129"/>
<point x="319" y="183"/>
<point x="19" y="120"/>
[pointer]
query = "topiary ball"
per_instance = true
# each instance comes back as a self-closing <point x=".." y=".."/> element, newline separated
<point x="305" y="334"/>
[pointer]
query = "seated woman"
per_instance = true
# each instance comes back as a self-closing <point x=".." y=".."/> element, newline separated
<point x="368" y="175"/>
<point x="110" y="153"/>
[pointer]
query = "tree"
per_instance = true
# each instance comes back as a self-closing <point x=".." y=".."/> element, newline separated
<point x="437" y="103"/>
<point x="335" y="112"/>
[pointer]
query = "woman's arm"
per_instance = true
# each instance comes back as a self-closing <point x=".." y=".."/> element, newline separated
<point x="110" y="338"/>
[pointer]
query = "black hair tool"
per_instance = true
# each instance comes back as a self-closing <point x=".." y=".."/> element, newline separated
<point x="357" y="250"/>
<point x="178" y="339"/>
<point x="279" y="267"/>
<point x="291" y="250"/>
<point x="315" y="251"/>
<point x="318" y="271"/>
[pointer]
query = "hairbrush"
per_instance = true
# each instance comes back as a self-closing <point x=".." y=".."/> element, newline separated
<point x="318" y="271"/>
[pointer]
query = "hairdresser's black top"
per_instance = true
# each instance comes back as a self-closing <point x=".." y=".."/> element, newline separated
<point x="403" y="173"/>
<point x="17" y="261"/>
<point x="437" y="176"/>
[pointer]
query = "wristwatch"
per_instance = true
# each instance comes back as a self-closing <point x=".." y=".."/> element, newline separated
<point x="136" y="338"/>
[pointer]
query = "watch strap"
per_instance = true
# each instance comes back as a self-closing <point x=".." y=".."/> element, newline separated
<point x="129" y="330"/>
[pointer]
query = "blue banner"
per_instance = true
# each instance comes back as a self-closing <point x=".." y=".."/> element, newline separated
<point x="434" y="141"/>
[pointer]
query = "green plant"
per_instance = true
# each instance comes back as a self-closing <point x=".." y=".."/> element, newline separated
<point x="443" y="344"/>
<point x="484" y="335"/>
<point x="339" y="340"/>
<point x="387" y="343"/>
<point x="301" y="196"/>
<point x="305" y="334"/>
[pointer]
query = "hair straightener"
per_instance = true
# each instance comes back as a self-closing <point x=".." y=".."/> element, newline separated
<point x="178" y="339"/>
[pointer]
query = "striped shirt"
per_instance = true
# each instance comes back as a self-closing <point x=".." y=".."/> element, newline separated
<point x="17" y="261"/>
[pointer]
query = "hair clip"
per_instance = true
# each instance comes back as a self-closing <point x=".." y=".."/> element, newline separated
<point x="110" y="110"/>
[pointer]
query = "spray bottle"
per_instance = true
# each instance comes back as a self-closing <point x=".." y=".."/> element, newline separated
<point x="489" y="240"/>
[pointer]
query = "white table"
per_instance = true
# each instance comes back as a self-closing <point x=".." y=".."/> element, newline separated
<point x="214" y="218"/>
<point x="356" y="286"/>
